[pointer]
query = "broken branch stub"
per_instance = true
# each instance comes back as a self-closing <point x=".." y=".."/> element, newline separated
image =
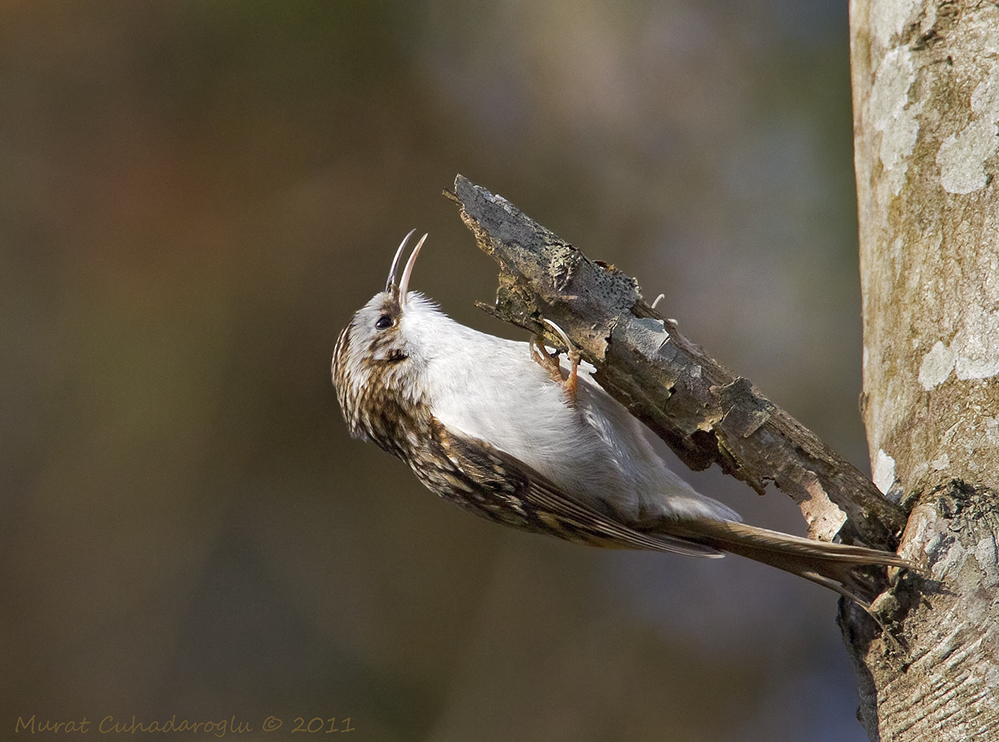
<point x="705" y="412"/>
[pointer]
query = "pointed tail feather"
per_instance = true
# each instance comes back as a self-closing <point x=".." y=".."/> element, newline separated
<point x="834" y="566"/>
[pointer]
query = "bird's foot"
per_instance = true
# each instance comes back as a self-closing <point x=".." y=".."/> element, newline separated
<point x="549" y="362"/>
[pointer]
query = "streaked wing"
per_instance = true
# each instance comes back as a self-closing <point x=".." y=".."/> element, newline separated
<point x="498" y="486"/>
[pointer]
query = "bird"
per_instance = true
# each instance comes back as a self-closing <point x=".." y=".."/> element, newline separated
<point x="504" y="430"/>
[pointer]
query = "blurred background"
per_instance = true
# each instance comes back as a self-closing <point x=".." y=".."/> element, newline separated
<point x="194" y="197"/>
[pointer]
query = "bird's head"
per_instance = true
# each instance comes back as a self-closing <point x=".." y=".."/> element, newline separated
<point x="373" y="354"/>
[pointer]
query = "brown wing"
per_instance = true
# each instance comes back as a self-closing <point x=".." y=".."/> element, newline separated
<point x="501" y="487"/>
<point x="498" y="486"/>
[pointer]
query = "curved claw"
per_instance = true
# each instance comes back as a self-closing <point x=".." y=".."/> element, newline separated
<point x="570" y="384"/>
<point x="558" y="331"/>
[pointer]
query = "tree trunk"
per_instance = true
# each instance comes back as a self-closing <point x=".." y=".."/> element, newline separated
<point x="926" y="105"/>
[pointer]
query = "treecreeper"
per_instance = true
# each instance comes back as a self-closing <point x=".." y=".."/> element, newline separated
<point x="509" y="431"/>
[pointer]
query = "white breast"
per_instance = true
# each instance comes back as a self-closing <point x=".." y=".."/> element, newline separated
<point x="492" y="389"/>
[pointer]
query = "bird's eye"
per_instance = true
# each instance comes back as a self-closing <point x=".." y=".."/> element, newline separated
<point x="384" y="322"/>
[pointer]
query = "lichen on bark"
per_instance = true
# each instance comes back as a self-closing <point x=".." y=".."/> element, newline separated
<point x="926" y="108"/>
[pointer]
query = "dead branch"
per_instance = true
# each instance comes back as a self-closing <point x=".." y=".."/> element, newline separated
<point x="701" y="409"/>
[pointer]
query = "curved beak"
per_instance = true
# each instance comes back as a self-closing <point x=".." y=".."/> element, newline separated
<point x="390" y="283"/>
<point x="408" y="271"/>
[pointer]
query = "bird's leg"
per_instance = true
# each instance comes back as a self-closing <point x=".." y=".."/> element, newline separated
<point x="547" y="361"/>
<point x="569" y="382"/>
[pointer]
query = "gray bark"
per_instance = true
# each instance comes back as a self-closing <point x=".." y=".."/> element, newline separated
<point x="926" y="105"/>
